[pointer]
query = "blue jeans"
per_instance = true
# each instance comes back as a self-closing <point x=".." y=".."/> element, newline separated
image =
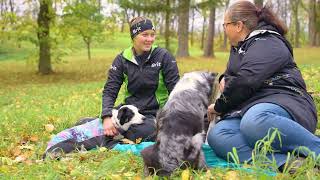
<point x="243" y="133"/>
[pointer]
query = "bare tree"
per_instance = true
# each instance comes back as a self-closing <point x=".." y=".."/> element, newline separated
<point x="224" y="46"/>
<point x="167" y="25"/>
<point x="183" y="47"/>
<point x="295" y="12"/>
<point x="313" y="18"/>
<point x="203" y="31"/>
<point x="44" y="18"/>
<point x="209" y="47"/>
<point x="192" y="27"/>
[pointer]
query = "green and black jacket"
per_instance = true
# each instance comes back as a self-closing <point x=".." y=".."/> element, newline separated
<point x="146" y="86"/>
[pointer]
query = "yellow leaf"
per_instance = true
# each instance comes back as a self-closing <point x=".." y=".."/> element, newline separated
<point x="231" y="175"/>
<point x="15" y="152"/>
<point x="137" y="178"/>
<point x="20" y="158"/>
<point x="102" y="149"/>
<point x="116" y="177"/>
<point x="127" y="141"/>
<point x="49" y="127"/>
<point x="28" y="162"/>
<point x="29" y="147"/>
<point x="138" y="141"/>
<point x="34" y="138"/>
<point x="185" y="175"/>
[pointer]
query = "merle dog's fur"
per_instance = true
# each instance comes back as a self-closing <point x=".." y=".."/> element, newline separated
<point x="180" y="126"/>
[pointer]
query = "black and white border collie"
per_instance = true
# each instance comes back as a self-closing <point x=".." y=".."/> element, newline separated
<point x="123" y="117"/>
<point x="180" y="127"/>
<point x="88" y="132"/>
<point x="126" y="116"/>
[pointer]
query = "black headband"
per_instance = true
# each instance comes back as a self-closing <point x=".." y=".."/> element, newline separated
<point x="140" y="27"/>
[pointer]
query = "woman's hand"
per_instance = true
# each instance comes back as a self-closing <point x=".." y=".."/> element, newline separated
<point x="212" y="113"/>
<point x="109" y="127"/>
<point x="221" y="85"/>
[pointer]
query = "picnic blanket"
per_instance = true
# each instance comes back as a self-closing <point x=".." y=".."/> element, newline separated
<point x="211" y="158"/>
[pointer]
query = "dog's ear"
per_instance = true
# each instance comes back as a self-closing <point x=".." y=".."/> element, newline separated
<point x="125" y="115"/>
<point x="211" y="76"/>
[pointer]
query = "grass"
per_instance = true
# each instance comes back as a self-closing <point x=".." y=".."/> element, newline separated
<point x="29" y="101"/>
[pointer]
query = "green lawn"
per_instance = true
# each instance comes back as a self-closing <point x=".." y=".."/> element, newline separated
<point x="29" y="101"/>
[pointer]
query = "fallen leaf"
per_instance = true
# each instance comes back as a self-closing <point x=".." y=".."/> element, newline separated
<point x="29" y="147"/>
<point x="49" y="127"/>
<point x="102" y="149"/>
<point x="28" y="162"/>
<point x="127" y="141"/>
<point x="116" y="177"/>
<point x="185" y="175"/>
<point x="20" y="158"/>
<point x="138" y="141"/>
<point x="137" y="178"/>
<point x="34" y="138"/>
<point x="15" y="152"/>
<point x="231" y="175"/>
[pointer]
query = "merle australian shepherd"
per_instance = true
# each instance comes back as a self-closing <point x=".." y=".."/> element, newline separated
<point x="180" y="127"/>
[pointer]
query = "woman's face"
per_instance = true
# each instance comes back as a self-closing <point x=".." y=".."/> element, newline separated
<point x="231" y="29"/>
<point x="143" y="41"/>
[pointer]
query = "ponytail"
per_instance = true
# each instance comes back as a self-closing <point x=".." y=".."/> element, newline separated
<point x="266" y="14"/>
<point x="251" y="15"/>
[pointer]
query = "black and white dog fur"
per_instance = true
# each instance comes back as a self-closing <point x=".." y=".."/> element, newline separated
<point x="88" y="132"/>
<point x="180" y="127"/>
<point x="122" y="117"/>
<point x="126" y="116"/>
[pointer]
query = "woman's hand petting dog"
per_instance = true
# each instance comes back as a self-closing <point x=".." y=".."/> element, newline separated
<point x="221" y="84"/>
<point x="109" y="127"/>
<point x="212" y="113"/>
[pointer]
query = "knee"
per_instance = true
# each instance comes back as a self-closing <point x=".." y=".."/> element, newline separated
<point x="213" y="136"/>
<point x="218" y="135"/>
<point x="255" y="117"/>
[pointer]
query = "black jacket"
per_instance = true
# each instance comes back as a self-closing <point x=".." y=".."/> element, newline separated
<point x="147" y="85"/>
<point x="262" y="69"/>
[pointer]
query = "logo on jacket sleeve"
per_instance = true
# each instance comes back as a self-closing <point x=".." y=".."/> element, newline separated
<point x="157" y="64"/>
<point x="113" y="67"/>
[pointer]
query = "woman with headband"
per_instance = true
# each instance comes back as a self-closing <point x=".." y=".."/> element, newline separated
<point x="149" y="74"/>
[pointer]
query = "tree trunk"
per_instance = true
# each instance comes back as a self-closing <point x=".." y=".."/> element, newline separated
<point x="295" y="12"/>
<point x="258" y="3"/>
<point x="44" y="19"/>
<point x="88" y="50"/>
<point x="203" y="31"/>
<point x="167" y="26"/>
<point x="312" y="23"/>
<point x="208" y="49"/>
<point x="224" y="46"/>
<point x="318" y="23"/>
<point x="192" y="27"/>
<point x="87" y="41"/>
<point x="183" y="47"/>
<point x="285" y="14"/>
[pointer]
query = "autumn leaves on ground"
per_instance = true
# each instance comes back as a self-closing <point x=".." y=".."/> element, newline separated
<point x="33" y="108"/>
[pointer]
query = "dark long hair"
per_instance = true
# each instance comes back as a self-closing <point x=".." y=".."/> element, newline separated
<point x="251" y="15"/>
